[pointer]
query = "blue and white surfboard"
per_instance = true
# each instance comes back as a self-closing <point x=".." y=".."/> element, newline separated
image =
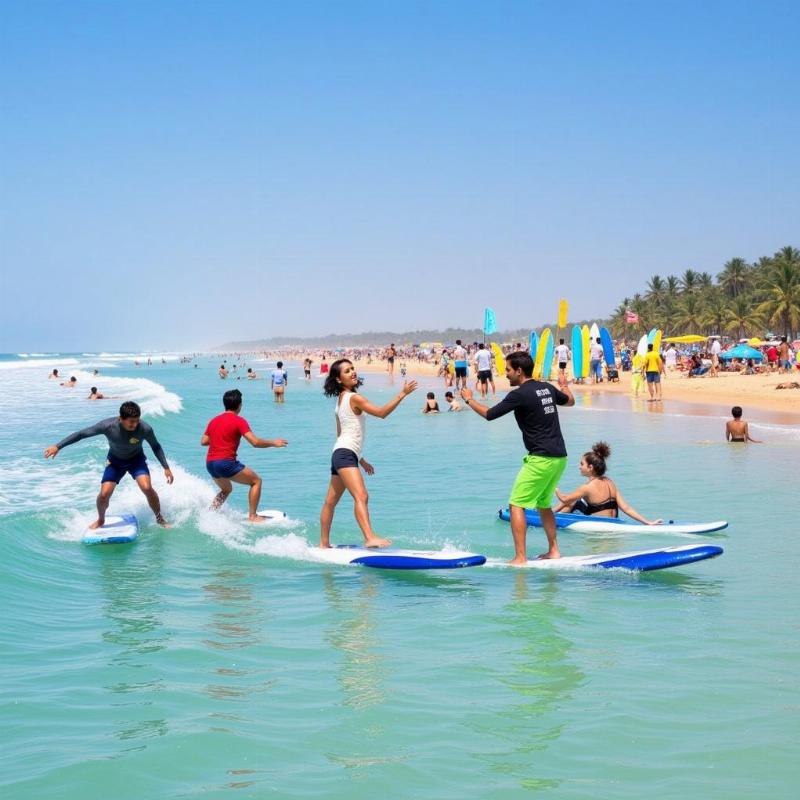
<point x="391" y="558"/>
<point x="579" y="523"/>
<point x="117" y="530"/>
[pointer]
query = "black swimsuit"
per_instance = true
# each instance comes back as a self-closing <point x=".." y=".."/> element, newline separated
<point x="582" y="507"/>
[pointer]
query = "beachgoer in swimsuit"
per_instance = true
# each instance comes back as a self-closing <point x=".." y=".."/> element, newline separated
<point x="391" y="353"/>
<point x="453" y="404"/>
<point x="223" y="372"/>
<point x="534" y="405"/>
<point x="737" y="430"/>
<point x="431" y="406"/>
<point x="95" y="395"/>
<point x="599" y="496"/>
<point x="483" y="368"/>
<point x="279" y="381"/>
<point x="70" y="384"/>
<point x="460" y="365"/>
<point x="222" y="437"/>
<point x="54" y="374"/>
<point x="351" y="408"/>
<point x="125" y="455"/>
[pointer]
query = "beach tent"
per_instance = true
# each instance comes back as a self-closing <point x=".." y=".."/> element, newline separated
<point x="689" y="338"/>
<point x="742" y="351"/>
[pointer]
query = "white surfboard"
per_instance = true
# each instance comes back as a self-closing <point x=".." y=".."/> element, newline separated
<point x="391" y="558"/>
<point x="117" y="530"/>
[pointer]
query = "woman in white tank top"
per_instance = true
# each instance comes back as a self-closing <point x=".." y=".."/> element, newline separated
<point x="342" y="383"/>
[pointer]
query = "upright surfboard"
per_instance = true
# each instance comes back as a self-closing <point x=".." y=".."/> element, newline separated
<point x="547" y="364"/>
<point x="580" y="523"/>
<point x="540" y="353"/>
<point x="641" y="348"/>
<point x="577" y="352"/>
<point x="657" y="341"/>
<point x="651" y="335"/>
<point x="586" y="351"/>
<point x="636" y="561"/>
<point x="594" y="332"/>
<point x="534" y="345"/>
<point x="120" y="529"/>
<point x="499" y="359"/>
<point x="391" y="558"/>
<point x="608" y="347"/>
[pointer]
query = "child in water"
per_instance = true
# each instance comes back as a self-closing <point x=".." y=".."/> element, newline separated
<point x="431" y="406"/>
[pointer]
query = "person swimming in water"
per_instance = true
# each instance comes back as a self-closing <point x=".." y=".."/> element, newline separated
<point x="342" y="383"/>
<point x="599" y="496"/>
<point x="737" y="430"/>
<point x="125" y="434"/>
<point x="431" y="405"/>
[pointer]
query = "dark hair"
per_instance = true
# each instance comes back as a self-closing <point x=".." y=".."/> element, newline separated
<point x="448" y="394"/>
<point x="458" y="341"/>
<point x="94" y="390"/>
<point x="431" y="395"/>
<point x="599" y="340"/>
<point x="521" y="361"/>
<point x="232" y="399"/>
<point x="55" y="372"/>
<point x="783" y="338"/>
<point x="280" y="364"/>
<point x="130" y="410"/>
<point x="736" y="412"/>
<point x="561" y="341"/>
<point x="249" y="369"/>
<point x="649" y="347"/>
<point x="73" y="379"/>
<point x="596" y="458"/>
<point x="481" y="345"/>
<point x="332" y="386"/>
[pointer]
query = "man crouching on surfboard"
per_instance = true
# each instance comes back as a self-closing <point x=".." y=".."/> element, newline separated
<point x="125" y="454"/>
<point x="534" y="405"/>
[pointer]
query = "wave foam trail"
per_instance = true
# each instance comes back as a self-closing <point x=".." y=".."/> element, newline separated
<point x="153" y="398"/>
<point x="39" y="363"/>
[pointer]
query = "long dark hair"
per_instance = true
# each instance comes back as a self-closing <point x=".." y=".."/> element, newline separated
<point x="332" y="387"/>
<point x="596" y="458"/>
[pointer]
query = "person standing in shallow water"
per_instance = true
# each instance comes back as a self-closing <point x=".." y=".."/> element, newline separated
<point x="534" y="405"/>
<point x="342" y="383"/>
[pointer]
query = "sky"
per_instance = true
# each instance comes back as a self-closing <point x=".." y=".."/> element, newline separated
<point x="177" y="175"/>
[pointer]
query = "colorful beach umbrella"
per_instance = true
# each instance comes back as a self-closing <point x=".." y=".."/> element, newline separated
<point x="742" y="351"/>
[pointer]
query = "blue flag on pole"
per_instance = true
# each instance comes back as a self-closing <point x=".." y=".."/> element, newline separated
<point x="489" y="325"/>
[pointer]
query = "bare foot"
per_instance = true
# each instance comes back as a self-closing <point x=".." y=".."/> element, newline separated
<point x="98" y="523"/>
<point x="258" y="518"/>
<point x="325" y="545"/>
<point x="376" y="542"/>
<point x="162" y="522"/>
<point x="518" y="562"/>
<point x="549" y="554"/>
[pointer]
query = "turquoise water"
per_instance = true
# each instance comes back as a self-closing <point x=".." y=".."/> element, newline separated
<point x="217" y="660"/>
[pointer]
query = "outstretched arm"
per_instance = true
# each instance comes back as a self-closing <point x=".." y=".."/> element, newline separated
<point x="569" y="500"/>
<point x="256" y="442"/>
<point x="86" y="433"/>
<point x="357" y="402"/>
<point x="749" y="437"/>
<point x="633" y="513"/>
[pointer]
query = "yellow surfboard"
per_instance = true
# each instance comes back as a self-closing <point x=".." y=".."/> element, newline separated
<point x="586" y="351"/>
<point x="657" y="341"/>
<point x="499" y="359"/>
<point x="540" y="354"/>
<point x="563" y="310"/>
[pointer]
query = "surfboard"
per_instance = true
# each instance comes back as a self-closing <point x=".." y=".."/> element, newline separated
<point x="577" y="352"/>
<point x="651" y="335"/>
<point x="540" y="354"/>
<point x="547" y="364"/>
<point x="117" y="530"/>
<point x="641" y="348"/>
<point x="636" y="561"/>
<point x="534" y="344"/>
<point x="594" y="332"/>
<point x="563" y="310"/>
<point x="579" y="523"/>
<point x="608" y="347"/>
<point x="499" y="359"/>
<point x="390" y="558"/>
<point x="586" y="351"/>
<point x="657" y="341"/>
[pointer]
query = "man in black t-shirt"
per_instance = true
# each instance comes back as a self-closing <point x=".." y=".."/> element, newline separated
<point x="534" y="406"/>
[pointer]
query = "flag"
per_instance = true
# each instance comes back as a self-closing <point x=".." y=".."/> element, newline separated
<point x="489" y="325"/>
<point x="631" y="317"/>
<point x="563" y="309"/>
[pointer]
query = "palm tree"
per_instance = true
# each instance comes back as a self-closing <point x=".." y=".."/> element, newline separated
<point x="618" y="323"/>
<point x="656" y="289"/>
<point x="705" y="282"/>
<point x="734" y="277"/>
<point x="672" y="286"/>
<point x="715" y="312"/>
<point x="742" y="317"/>
<point x="690" y="281"/>
<point x="639" y="306"/>
<point x="782" y="293"/>
<point x="688" y="315"/>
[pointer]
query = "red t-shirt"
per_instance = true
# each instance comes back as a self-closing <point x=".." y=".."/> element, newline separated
<point x="225" y="433"/>
<point x="772" y="353"/>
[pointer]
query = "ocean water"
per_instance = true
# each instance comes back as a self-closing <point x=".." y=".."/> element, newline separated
<point x="217" y="660"/>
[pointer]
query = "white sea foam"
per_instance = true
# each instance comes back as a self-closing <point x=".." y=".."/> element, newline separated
<point x="39" y="363"/>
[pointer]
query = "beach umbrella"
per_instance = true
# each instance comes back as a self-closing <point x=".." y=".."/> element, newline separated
<point x="755" y="342"/>
<point x="689" y="338"/>
<point x="742" y="351"/>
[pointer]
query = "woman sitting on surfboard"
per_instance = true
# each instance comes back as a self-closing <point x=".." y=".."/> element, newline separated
<point x="342" y="383"/>
<point x="599" y="496"/>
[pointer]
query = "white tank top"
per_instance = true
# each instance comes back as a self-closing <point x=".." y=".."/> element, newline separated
<point x="350" y="424"/>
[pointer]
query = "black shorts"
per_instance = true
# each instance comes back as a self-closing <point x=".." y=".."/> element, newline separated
<point x="484" y="375"/>
<point x="343" y="457"/>
<point x="461" y="372"/>
<point x="562" y="364"/>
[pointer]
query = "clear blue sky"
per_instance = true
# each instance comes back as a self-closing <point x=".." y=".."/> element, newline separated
<point x="181" y="174"/>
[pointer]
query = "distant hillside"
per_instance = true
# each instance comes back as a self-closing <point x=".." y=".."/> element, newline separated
<point x="380" y="339"/>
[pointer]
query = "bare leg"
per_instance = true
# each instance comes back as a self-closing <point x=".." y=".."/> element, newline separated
<point x="353" y="481"/>
<point x="519" y="528"/>
<point x="335" y="492"/>
<point x="225" y="488"/>
<point x="249" y="478"/>
<point x="152" y="498"/>
<point x="103" y="499"/>
<point x="549" y="524"/>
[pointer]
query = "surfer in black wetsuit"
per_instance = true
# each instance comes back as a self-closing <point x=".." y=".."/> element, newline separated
<point x="125" y="434"/>
<point x="599" y="496"/>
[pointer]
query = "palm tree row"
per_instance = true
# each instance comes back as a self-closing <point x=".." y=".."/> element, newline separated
<point x="744" y="300"/>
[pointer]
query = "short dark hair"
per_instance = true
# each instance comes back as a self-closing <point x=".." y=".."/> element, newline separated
<point x="130" y="410"/>
<point x="458" y="341"/>
<point x="736" y="412"/>
<point x="232" y="399"/>
<point x="280" y="364"/>
<point x="561" y="341"/>
<point x="448" y="394"/>
<point x="94" y="389"/>
<point x="521" y="361"/>
<point x="481" y="345"/>
<point x="649" y="347"/>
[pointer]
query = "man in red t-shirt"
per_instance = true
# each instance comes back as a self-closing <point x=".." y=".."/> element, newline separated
<point x="222" y="438"/>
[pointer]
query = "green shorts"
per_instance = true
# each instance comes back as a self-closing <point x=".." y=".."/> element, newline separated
<point x="536" y="481"/>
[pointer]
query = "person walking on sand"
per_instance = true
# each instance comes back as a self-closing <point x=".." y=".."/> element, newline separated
<point x="125" y="455"/>
<point x="222" y="437"/>
<point x="596" y="361"/>
<point x="737" y="430"/>
<point x="342" y="383"/>
<point x="279" y="381"/>
<point x="716" y="349"/>
<point x="653" y="370"/>
<point x="534" y="405"/>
